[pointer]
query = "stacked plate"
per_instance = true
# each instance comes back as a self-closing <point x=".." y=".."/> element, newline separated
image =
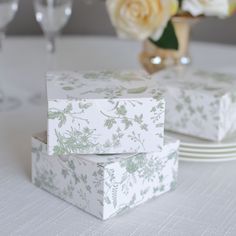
<point x="195" y="149"/>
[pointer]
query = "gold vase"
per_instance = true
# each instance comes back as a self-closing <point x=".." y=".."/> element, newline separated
<point x="154" y="59"/>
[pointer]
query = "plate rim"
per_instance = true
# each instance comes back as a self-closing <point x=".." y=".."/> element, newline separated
<point x="208" y="150"/>
<point x="213" y="145"/>
<point x="213" y="156"/>
<point x="209" y="144"/>
<point x="206" y="160"/>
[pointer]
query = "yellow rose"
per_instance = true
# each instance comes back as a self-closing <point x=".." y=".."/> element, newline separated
<point x="140" y="19"/>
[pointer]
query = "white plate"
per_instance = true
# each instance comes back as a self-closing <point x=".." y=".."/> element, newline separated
<point x="207" y="155"/>
<point x="191" y="159"/>
<point x="192" y="142"/>
<point x="207" y="150"/>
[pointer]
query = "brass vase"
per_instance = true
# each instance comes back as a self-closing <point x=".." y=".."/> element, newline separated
<point x="154" y="59"/>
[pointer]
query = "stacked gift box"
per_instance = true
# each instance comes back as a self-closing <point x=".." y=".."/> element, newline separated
<point x="104" y="150"/>
<point x="199" y="103"/>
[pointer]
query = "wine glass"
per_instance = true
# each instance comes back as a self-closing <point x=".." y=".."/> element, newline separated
<point x="8" y="8"/>
<point x="52" y="15"/>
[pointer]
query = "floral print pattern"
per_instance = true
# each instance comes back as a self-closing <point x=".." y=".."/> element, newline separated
<point x="199" y="103"/>
<point x="105" y="185"/>
<point x="103" y="112"/>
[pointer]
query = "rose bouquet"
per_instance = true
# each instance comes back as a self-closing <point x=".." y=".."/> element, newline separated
<point x="152" y="19"/>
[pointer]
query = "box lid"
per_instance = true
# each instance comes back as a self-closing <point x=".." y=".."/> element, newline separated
<point x="197" y="80"/>
<point x="98" y="85"/>
<point x="170" y="145"/>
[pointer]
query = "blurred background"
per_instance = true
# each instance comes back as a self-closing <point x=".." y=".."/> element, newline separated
<point x="92" y="19"/>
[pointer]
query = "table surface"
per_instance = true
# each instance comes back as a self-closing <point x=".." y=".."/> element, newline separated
<point x="204" y="202"/>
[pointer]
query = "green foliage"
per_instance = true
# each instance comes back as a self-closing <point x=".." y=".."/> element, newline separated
<point x="68" y="88"/>
<point x="127" y="122"/>
<point x="75" y="141"/>
<point x="180" y="3"/>
<point x="60" y="115"/>
<point x="121" y="110"/>
<point x="137" y="90"/>
<point x="168" y="39"/>
<point x="105" y="186"/>
<point x="109" y="123"/>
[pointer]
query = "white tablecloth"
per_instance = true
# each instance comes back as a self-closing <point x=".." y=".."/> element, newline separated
<point x="204" y="202"/>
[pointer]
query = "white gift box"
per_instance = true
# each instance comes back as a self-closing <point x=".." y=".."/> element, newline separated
<point x="199" y="103"/>
<point x="103" y="112"/>
<point x="104" y="185"/>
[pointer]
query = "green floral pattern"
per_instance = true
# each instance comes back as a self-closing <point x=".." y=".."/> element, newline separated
<point x="105" y="185"/>
<point x="199" y="103"/>
<point x="103" y="112"/>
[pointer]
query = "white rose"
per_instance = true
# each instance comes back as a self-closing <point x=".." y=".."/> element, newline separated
<point x="140" y="19"/>
<point x="206" y="7"/>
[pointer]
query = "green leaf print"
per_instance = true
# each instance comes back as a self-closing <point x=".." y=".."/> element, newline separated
<point x="114" y="195"/>
<point x="127" y="123"/>
<point x="68" y="108"/>
<point x="121" y="110"/>
<point x="67" y="88"/>
<point x="133" y="164"/>
<point x="75" y="141"/>
<point x="107" y="200"/>
<point x="54" y="113"/>
<point x="109" y="123"/>
<point x="137" y="90"/>
<point x="138" y="119"/>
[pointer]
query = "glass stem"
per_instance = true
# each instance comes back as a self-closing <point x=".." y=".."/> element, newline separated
<point x="2" y="94"/>
<point x="51" y="44"/>
<point x="2" y="36"/>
